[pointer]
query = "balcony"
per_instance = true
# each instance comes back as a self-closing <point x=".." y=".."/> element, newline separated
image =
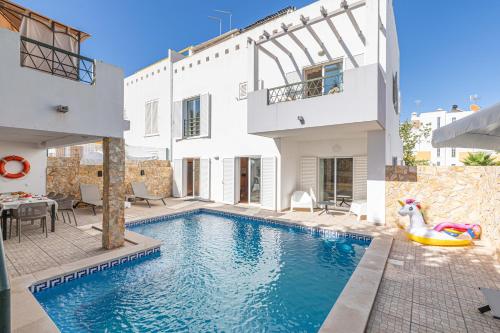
<point x="50" y="59"/>
<point x="355" y="96"/>
<point x="306" y="89"/>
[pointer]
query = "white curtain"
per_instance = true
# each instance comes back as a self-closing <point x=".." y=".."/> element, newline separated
<point x="41" y="57"/>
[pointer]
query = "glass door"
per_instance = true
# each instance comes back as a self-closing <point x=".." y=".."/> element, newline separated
<point x="335" y="180"/>
<point x="254" y="180"/>
<point x="343" y="181"/>
<point x="332" y="78"/>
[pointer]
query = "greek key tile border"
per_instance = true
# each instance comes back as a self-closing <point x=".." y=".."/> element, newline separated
<point x="55" y="281"/>
<point x="286" y="224"/>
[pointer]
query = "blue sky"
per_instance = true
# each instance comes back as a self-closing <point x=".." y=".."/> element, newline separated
<point x="450" y="49"/>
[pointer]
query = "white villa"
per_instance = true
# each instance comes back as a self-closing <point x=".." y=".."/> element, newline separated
<point x="435" y="119"/>
<point x="304" y="99"/>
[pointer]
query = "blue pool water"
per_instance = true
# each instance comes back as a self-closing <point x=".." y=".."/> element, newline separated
<point x="214" y="274"/>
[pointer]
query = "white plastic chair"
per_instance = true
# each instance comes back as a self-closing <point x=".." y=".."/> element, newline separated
<point x="301" y="199"/>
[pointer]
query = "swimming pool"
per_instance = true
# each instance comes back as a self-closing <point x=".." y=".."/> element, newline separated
<point x="215" y="272"/>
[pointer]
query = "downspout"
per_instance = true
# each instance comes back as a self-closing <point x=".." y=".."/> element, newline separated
<point x="4" y="292"/>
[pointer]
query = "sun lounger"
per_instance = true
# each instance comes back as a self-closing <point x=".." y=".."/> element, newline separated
<point x="141" y="192"/>
<point x="90" y="195"/>
<point x="492" y="297"/>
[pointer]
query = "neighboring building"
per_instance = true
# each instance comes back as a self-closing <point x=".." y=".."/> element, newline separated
<point x="303" y="99"/>
<point x="435" y="120"/>
<point x="50" y="95"/>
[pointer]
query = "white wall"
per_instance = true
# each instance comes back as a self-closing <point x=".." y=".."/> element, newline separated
<point x="29" y="94"/>
<point x="34" y="181"/>
<point x="149" y="84"/>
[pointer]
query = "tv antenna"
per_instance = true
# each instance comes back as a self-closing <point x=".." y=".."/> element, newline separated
<point x="227" y="13"/>
<point x="474" y="98"/>
<point x="215" y="18"/>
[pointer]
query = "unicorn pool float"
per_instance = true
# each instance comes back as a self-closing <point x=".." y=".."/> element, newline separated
<point x="444" y="234"/>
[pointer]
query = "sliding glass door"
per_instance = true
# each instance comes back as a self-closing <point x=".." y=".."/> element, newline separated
<point x="336" y="179"/>
<point x="254" y="180"/>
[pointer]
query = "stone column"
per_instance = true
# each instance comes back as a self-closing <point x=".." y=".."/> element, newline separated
<point x="113" y="219"/>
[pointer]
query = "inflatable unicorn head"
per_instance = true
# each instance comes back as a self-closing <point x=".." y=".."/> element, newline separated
<point x="412" y="208"/>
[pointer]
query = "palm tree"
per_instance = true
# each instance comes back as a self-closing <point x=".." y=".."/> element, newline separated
<point x="479" y="159"/>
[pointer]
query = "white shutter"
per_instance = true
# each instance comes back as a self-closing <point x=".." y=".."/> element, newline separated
<point x="177" y="181"/>
<point x="205" y="115"/>
<point x="309" y="175"/>
<point x="177" y="120"/>
<point x="205" y="178"/>
<point x="147" y="119"/>
<point x="228" y="180"/>
<point x="360" y="174"/>
<point x="154" y="117"/>
<point x="268" y="183"/>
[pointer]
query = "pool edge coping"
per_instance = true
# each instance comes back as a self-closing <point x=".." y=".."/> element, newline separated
<point x="28" y="315"/>
<point x="353" y="306"/>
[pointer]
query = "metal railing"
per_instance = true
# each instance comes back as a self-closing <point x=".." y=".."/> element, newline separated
<point x="192" y="127"/>
<point x="325" y="85"/>
<point x="56" y="61"/>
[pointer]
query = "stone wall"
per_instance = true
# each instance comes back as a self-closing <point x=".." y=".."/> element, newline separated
<point x="456" y="193"/>
<point x="64" y="174"/>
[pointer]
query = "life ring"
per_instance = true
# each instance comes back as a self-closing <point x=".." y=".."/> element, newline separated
<point x="24" y="172"/>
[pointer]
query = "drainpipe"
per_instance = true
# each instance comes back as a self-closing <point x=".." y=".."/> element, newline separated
<point x="4" y="292"/>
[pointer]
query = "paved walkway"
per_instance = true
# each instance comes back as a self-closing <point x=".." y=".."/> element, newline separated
<point x="424" y="289"/>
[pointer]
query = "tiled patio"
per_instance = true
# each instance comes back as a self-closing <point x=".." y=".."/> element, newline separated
<point x="424" y="289"/>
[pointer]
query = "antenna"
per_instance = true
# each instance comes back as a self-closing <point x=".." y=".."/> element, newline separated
<point x="474" y="98"/>
<point x="227" y="13"/>
<point x="220" y="23"/>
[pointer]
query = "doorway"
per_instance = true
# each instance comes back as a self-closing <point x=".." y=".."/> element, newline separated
<point x="249" y="180"/>
<point x="193" y="177"/>
<point x="336" y="180"/>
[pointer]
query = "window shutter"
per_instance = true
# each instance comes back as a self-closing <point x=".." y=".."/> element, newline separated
<point x="147" y="120"/>
<point x="177" y="120"/>
<point x="360" y="174"/>
<point x="205" y="178"/>
<point x="177" y="181"/>
<point x="268" y="188"/>
<point x="228" y="180"/>
<point x="205" y="115"/>
<point x="154" y="117"/>
<point x="309" y="175"/>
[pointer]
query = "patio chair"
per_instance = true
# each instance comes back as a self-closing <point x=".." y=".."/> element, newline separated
<point x="67" y="205"/>
<point x="492" y="297"/>
<point x="90" y="196"/>
<point x="29" y="212"/>
<point x="301" y="199"/>
<point x="141" y="192"/>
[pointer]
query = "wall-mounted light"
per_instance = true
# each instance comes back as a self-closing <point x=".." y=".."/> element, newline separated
<point x="301" y="120"/>
<point x="99" y="173"/>
<point x="62" y="108"/>
<point x="142" y="173"/>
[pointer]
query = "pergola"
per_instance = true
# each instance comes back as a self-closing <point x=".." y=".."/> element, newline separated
<point x="307" y="24"/>
<point x="480" y="130"/>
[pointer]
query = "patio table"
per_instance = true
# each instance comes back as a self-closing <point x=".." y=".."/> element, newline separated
<point x="8" y="205"/>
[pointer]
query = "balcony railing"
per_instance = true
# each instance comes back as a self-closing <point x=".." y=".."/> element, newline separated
<point x="192" y="127"/>
<point x="56" y="61"/>
<point x="306" y="89"/>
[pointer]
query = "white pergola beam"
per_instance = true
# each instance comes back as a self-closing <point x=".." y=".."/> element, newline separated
<point x="316" y="20"/>
<point x="301" y="46"/>
<point x="319" y="41"/>
<point x="342" y="43"/>
<point x="354" y="23"/>
<point x="290" y="55"/>
<point x="275" y="58"/>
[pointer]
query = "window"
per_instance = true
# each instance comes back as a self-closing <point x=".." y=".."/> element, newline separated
<point x="395" y="93"/>
<point x="438" y="163"/>
<point x="237" y="47"/>
<point x="207" y="59"/>
<point x="438" y="122"/>
<point x="217" y="55"/>
<point x="323" y="79"/>
<point x="192" y="118"/>
<point x="199" y="62"/>
<point x="243" y="90"/>
<point x="453" y="152"/>
<point x="226" y="51"/>
<point x="151" y="118"/>
<point x="438" y="152"/>
<point x="453" y="119"/>
<point x="190" y="65"/>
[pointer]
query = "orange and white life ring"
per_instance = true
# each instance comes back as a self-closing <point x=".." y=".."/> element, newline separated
<point x="24" y="172"/>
